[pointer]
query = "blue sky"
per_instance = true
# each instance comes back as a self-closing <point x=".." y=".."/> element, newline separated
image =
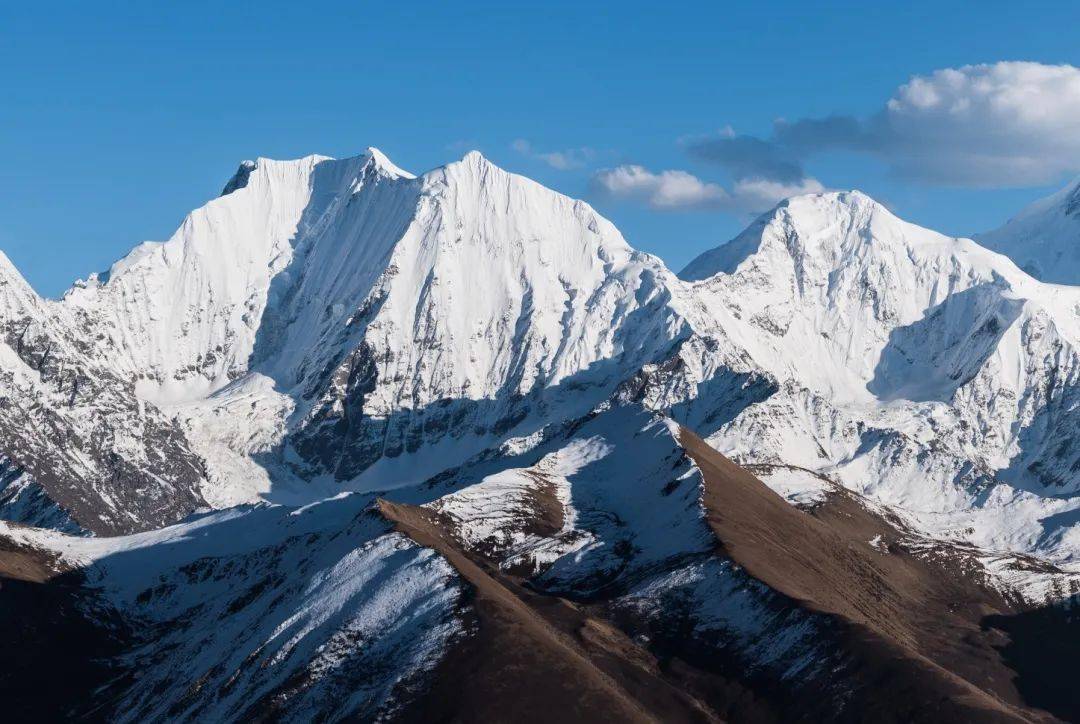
<point x="117" y="120"/>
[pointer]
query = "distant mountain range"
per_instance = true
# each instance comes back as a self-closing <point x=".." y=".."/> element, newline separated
<point x="359" y="444"/>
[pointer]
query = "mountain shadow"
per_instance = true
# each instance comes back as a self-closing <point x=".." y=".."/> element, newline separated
<point x="933" y="357"/>
<point x="1041" y="650"/>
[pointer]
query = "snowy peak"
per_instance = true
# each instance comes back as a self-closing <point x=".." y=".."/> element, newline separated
<point x="1044" y="238"/>
<point x="240" y="178"/>
<point x="379" y="160"/>
<point x="476" y="160"/>
<point x="371" y="160"/>
<point x="902" y="327"/>
<point x="474" y="186"/>
<point x="836" y="291"/>
<point x="8" y="270"/>
<point x="289" y="235"/>
<point x="16" y="294"/>
<point x="383" y="311"/>
<point x="344" y="322"/>
<point x="184" y="314"/>
<point x="441" y="261"/>
<point x="493" y="289"/>
<point x="827" y="230"/>
<point x="461" y="405"/>
<point x="826" y="247"/>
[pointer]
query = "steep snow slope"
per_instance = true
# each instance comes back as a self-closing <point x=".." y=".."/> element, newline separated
<point x="323" y="316"/>
<point x="879" y="308"/>
<point x="1044" y="238"/>
<point x="380" y="313"/>
<point x="183" y="314"/>
<point x="502" y="303"/>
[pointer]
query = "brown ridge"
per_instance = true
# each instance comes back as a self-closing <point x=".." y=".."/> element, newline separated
<point x="908" y="628"/>
<point x="536" y="658"/>
<point x="21" y="564"/>
<point x="913" y="623"/>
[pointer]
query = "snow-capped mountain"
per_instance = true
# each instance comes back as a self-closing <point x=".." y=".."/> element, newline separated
<point x="327" y="324"/>
<point x="520" y="389"/>
<point x="920" y="369"/>
<point x="1044" y="238"/>
<point x="377" y="312"/>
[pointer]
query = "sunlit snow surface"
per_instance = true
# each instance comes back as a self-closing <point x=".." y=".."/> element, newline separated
<point x="320" y="609"/>
<point x="343" y="325"/>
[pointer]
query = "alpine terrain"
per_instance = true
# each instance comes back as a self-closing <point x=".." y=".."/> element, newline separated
<point x="356" y="444"/>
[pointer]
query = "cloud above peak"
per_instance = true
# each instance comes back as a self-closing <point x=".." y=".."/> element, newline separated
<point x="985" y="125"/>
<point x="990" y="125"/>
<point x="665" y="190"/>
<point x="675" y="190"/>
<point x="747" y="156"/>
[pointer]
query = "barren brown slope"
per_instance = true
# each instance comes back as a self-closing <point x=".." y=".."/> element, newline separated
<point x="536" y="658"/>
<point x="912" y="623"/>
<point x="20" y="563"/>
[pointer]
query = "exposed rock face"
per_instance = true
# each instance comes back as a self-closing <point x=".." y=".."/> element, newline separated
<point x="23" y="500"/>
<point x="71" y="421"/>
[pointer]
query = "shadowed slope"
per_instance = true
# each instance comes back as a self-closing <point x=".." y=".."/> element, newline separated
<point x="55" y="655"/>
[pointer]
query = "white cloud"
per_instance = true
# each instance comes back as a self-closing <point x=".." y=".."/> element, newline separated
<point x="755" y="194"/>
<point x="993" y="124"/>
<point x="674" y="190"/>
<point x="663" y="190"/>
<point x="999" y="124"/>
<point x="562" y="160"/>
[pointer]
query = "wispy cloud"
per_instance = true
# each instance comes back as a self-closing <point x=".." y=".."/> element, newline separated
<point x="675" y="190"/>
<point x="565" y="160"/>
<point x="755" y="195"/>
<point x="663" y="190"/>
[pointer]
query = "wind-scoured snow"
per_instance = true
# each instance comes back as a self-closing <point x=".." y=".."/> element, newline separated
<point x="615" y="497"/>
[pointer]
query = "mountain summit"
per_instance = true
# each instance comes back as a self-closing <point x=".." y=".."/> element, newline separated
<point x="350" y="429"/>
<point x="1044" y="238"/>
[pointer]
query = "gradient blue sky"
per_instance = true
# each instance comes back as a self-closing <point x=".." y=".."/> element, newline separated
<point x="116" y="120"/>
